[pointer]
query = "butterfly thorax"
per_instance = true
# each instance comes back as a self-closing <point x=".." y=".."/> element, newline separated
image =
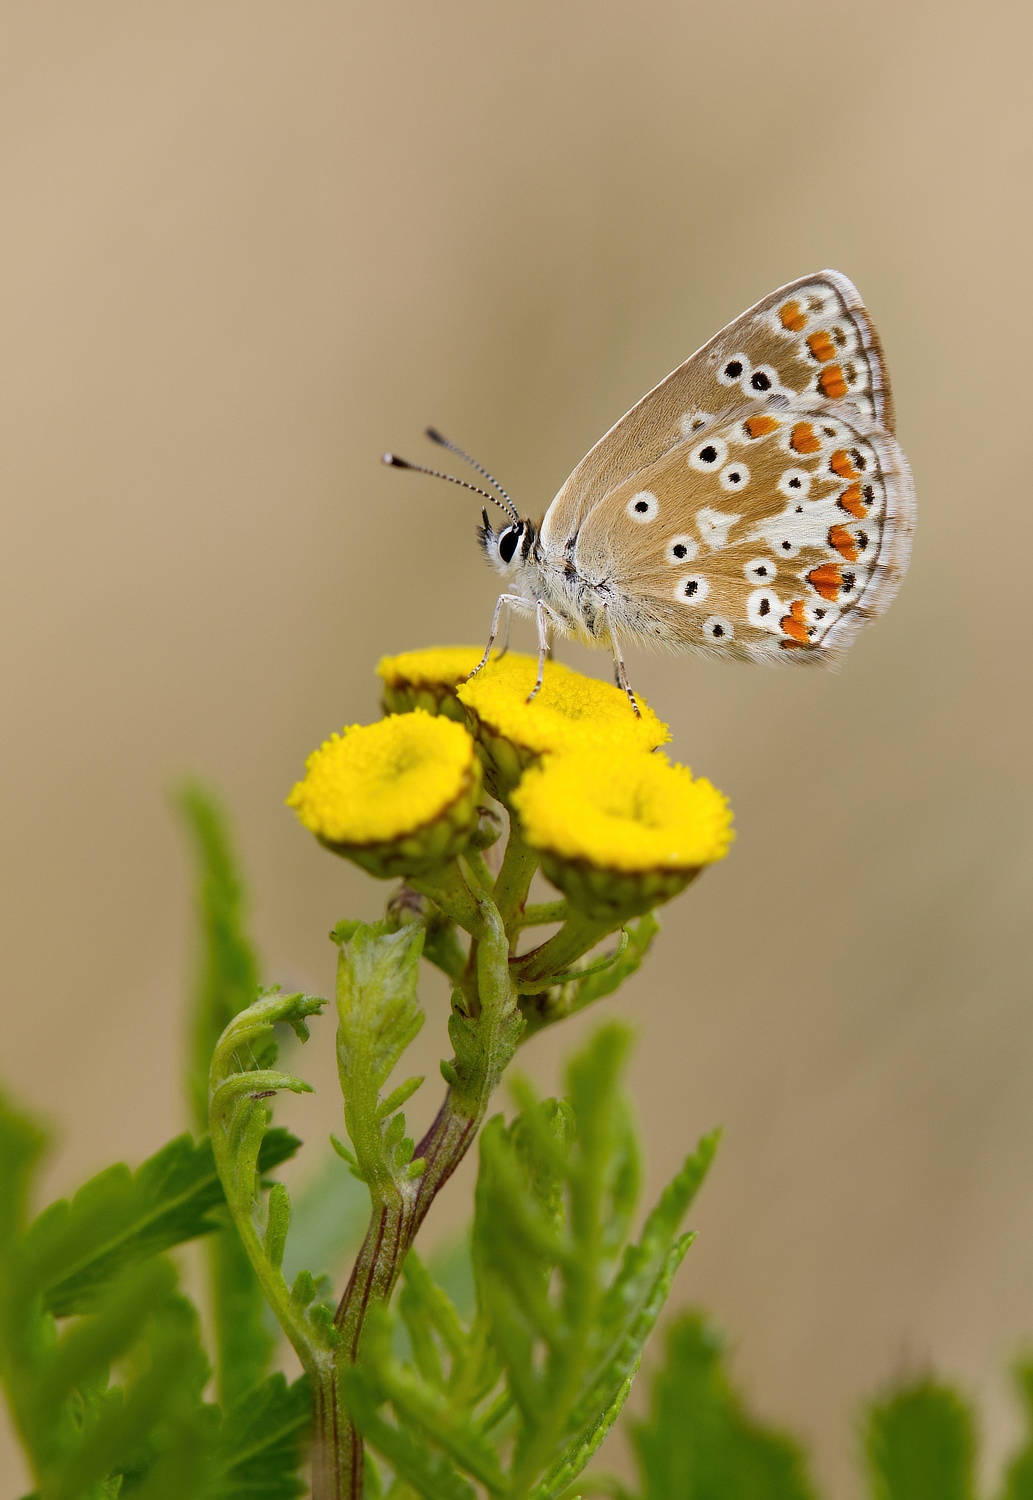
<point x="534" y="573"/>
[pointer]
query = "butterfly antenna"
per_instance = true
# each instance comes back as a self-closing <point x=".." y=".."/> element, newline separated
<point x="402" y="463"/>
<point x="436" y="437"/>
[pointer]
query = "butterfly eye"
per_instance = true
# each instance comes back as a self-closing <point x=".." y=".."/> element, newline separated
<point x="717" y="628"/>
<point x="795" y="483"/>
<point x="709" y="455"/>
<point x="643" y="506"/>
<point x="760" y="569"/>
<point x="508" y="540"/>
<point x="692" y="590"/>
<point x="733" y="370"/>
<point x="682" y="549"/>
<point x="735" y="477"/>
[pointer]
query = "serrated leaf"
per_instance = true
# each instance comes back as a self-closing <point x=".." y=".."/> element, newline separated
<point x="699" y="1443"/>
<point x="578" y="1453"/>
<point x="118" y="1219"/>
<point x="920" y="1445"/>
<point x="261" y="1442"/>
<point x="427" y="1410"/>
<point x="227" y="970"/>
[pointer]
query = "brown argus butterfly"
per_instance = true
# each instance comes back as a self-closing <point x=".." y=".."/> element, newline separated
<point x="755" y="504"/>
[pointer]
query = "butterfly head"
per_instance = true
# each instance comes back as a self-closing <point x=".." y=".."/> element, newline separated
<point x="509" y="548"/>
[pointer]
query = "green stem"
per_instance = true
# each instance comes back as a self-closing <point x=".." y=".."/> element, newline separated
<point x="449" y="890"/>
<point x="484" y="1043"/>
<point x="554" y="957"/>
<point x="514" y="878"/>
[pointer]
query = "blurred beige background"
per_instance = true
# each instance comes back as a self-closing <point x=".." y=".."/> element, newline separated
<point x="248" y="246"/>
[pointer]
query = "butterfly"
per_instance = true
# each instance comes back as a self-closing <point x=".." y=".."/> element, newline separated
<point x="755" y="504"/>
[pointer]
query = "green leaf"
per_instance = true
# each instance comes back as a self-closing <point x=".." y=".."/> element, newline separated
<point x="578" y="1453"/>
<point x="1018" y="1479"/>
<point x="379" y="1014"/>
<point x="411" y="1458"/>
<point x="119" y="1218"/>
<point x="262" y="1441"/>
<point x="699" y="1444"/>
<point x="227" y="969"/>
<point x="640" y="937"/>
<point x="920" y="1445"/>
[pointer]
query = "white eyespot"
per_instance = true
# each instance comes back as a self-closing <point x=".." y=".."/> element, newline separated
<point x="795" y="483"/>
<point x="737" y="367"/>
<point x="734" y="477"/>
<point x="682" y="549"/>
<point x="760" y="570"/>
<point x="717" y="628"/>
<point x="709" y="456"/>
<point x="692" y="421"/>
<point x="764" y="609"/>
<point x="714" y="527"/>
<point x="643" y="506"/>
<point x="692" y="590"/>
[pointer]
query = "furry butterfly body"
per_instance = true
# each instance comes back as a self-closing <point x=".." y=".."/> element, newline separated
<point x="755" y="504"/>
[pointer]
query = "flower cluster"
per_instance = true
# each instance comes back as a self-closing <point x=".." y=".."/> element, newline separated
<point x="616" y="827"/>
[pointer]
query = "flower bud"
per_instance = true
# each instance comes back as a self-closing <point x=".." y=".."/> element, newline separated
<point x="428" y="680"/>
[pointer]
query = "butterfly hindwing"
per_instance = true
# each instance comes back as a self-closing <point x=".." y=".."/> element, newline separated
<point x="772" y="532"/>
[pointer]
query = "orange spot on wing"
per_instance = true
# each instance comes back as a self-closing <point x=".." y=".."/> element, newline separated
<point x="832" y="382"/>
<point x="841" y="463"/>
<point x="792" y="625"/>
<point x="843" y="542"/>
<point x="803" y="439"/>
<point x="822" y="347"/>
<point x="827" y="580"/>
<point x="851" y="501"/>
<point x="791" y="317"/>
<point x="789" y="645"/>
<point x="757" y="427"/>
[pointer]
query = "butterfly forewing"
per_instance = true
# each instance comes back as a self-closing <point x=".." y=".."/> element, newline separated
<point x="811" y="340"/>
<point x="755" y="503"/>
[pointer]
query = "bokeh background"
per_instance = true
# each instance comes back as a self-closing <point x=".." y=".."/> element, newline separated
<point x="247" y="246"/>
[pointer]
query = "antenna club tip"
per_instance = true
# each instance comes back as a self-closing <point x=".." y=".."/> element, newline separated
<point x="394" y="461"/>
<point x="435" y="436"/>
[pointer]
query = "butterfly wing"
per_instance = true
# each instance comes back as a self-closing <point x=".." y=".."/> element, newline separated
<point x="771" y="533"/>
<point x="810" y="340"/>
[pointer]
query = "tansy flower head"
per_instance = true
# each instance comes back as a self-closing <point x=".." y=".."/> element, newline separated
<point x="398" y="797"/>
<point x="571" y="713"/>
<point x="428" y="679"/>
<point x="621" y="832"/>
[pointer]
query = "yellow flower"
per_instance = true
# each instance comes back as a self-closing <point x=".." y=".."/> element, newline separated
<point x="398" y="797"/>
<point x="620" y="832"/>
<point x="571" y="713"/>
<point x="428" y="679"/>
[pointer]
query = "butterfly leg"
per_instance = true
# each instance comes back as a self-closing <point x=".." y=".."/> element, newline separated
<point x="543" y="648"/>
<point x="505" y="600"/>
<point x="619" y="669"/>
